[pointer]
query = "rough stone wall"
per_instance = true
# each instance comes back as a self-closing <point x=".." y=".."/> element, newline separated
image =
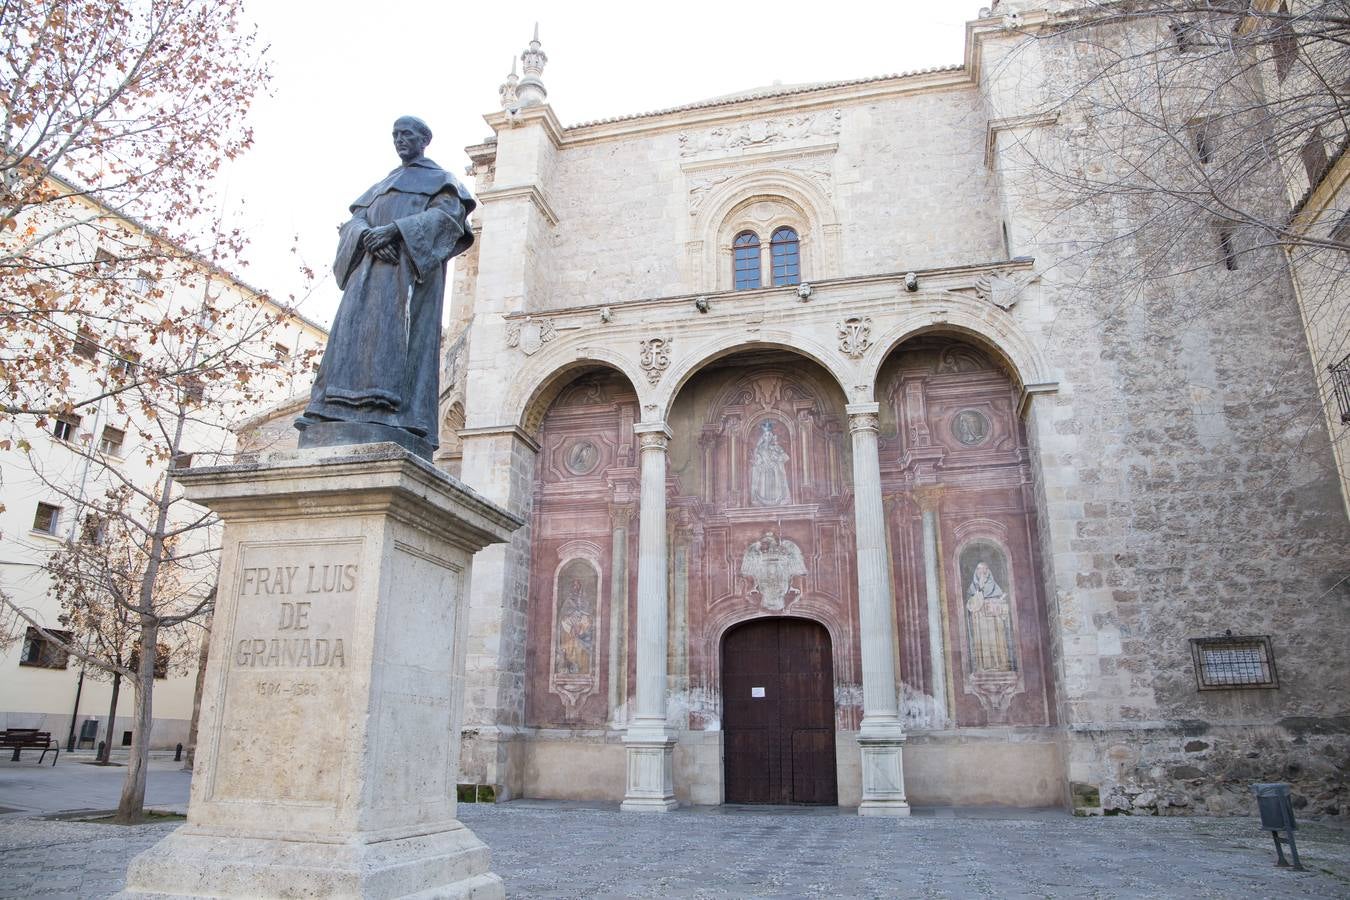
<point x="1186" y="488"/>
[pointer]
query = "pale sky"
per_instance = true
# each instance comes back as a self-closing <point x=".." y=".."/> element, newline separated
<point x="343" y="71"/>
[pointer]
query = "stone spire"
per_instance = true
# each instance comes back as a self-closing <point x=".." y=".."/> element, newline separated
<point x="509" y="94"/>
<point x="531" y="91"/>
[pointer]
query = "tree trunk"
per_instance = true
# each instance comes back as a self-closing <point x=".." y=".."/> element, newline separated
<point x="197" y="695"/>
<point x="112" y="719"/>
<point x="131" y="806"/>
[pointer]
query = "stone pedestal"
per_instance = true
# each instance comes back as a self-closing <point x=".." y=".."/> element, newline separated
<point x="330" y="717"/>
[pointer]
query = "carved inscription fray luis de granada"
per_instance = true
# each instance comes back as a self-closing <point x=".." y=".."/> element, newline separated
<point x="292" y="609"/>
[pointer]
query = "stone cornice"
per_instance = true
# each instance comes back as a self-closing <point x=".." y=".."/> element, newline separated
<point x="530" y="191"/>
<point x="542" y="116"/>
<point x="947" y="277"/>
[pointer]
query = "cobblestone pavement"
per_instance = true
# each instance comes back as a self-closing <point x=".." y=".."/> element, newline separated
<point x="552" y="850"/>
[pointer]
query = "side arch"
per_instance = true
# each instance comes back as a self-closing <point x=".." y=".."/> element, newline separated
<point x="538" y="384"/>
<point x="841" y="372"/>
<point x="959" y="315"/>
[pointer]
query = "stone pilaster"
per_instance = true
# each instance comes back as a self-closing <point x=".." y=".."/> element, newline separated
<point x="499" y="464"/>
<point x="937" y="645"/>
<point x="651" y="747"/>
<point x="881" y="734"/>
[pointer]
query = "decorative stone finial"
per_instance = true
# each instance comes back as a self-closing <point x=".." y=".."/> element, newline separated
<point x="531" y="91"/>
<point x="508" y="92"/>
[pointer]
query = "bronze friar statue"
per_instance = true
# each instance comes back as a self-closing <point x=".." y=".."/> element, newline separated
<point x="378" y="380"/>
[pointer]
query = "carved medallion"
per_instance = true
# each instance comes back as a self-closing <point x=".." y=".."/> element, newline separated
<point x="581" y="458"/>
<point x="529" y="334"/>
<point x="655" y="358"/>
<point x="854" y="336"/>
<point x="970" y="427"/>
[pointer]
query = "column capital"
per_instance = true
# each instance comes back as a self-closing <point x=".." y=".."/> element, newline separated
<point x="863" y="416"/>
<point x="652" y="435"/>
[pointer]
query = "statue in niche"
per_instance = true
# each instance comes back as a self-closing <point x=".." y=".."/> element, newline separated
<point x="378" y="377"/>
<point x="989" y="621"/>
<point x="576" y="631"/>
<point x="771" y="563"/>
<point x="768" y="470"/>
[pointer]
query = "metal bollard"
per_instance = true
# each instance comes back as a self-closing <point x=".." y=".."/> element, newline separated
<point x="1277" y="814"/>
<point x="178" y="753"/>
<point x="101" y="745"/>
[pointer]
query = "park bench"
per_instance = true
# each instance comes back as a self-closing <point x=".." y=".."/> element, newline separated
<point x="30" y="739"/>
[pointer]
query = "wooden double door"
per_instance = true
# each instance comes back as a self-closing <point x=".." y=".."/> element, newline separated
<point x="778" y="713"/>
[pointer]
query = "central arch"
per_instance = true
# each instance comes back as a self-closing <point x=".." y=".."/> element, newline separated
<point x="778" y="713"/>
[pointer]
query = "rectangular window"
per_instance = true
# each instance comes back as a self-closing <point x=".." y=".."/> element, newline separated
<point x="125" y="363"/>
<point x="94" y="529"/>
<point x="112" y="440"/>
<point x="47" y="519"/>
<point x="144" y="283"/>
<point x="281" y="350"/>
<point x="161" y="662"/>
<point x="42" y="653"/>
<point x="1226" y="249"/>
<point x="1340" y="386"/>
<point x="1202" y="139"/>
<point x="182" y="461"/>
<point x="1314" y="155"/>
<point x="1341" y="230"/>
<point x="193" y="392"/>
<point x="1233" y="662"/>
<point x="86" y="343"/>
<point x="66" y="428"/>
<point x="1284" y="44"/>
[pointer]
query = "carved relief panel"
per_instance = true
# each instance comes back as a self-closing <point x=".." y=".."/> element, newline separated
<point x="954" y="448"/>
<point x="583" y="564"/>
<point x="758" y="463"/>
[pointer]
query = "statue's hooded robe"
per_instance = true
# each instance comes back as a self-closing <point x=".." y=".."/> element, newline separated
<point x="381" y="364"/>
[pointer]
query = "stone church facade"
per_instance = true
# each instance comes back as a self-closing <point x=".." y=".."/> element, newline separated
<point x="839" y="490"/>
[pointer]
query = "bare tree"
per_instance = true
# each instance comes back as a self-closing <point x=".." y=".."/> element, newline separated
<point x="1182" y="138"/>
<point x="116" y="115"/>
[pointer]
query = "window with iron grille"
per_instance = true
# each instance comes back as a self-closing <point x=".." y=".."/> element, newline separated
<point x="746" y="265"/>
<point x="86" y="343"/>
<point x="66" y="427"/>
<point x="47" y="518"/>
<point x="785" y="254"/>
<point x="111" y="442"/>
<point x="1340" y="386"/>
<point x="42" y="653"/>
<point x="1233" y="662"/>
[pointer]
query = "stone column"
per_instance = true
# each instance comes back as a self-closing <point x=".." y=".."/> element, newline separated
<point x="330" y="713"/>
<point x="881" y="734"/>
<point x="651" y="747"/>
<point x="937" y="659"/>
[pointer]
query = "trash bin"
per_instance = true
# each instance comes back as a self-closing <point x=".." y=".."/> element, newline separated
<point x="1276" y="806"/>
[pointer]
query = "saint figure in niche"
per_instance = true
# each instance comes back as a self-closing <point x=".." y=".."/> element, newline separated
<point x="989" y="615"/>
<point x="771" y="563"/>
<point x="768" y="470"/>
<point x="576" y="631"/>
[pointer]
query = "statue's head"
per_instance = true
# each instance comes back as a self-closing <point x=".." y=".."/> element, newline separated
<point x="411" y="137"/>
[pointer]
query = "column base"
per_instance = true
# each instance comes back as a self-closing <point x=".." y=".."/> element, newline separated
<point x="651" y="775"/>
<point x="189" y="863"/>
<point x="883" y="771"/>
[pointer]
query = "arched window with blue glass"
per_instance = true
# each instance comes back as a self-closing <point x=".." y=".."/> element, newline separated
<point x="785" y="255"/>
<point x="746" y="267"/>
